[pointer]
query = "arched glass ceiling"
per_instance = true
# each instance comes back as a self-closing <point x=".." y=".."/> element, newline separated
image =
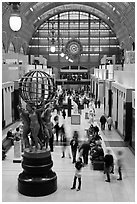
<point x="96" y="37"/>
<point x="73" y="6"/>
<point x="121" y="16"/>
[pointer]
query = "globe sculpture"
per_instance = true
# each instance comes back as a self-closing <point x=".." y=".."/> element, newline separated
<point x="37" y="87"/>
<point x="37" y="179"/>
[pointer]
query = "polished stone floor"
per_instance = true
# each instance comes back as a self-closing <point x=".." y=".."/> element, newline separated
<point x="94" y="188"/>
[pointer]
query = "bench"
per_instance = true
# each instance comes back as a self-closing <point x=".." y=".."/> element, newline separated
<point x="98" y="165"/>
<point x="6" y="144"/>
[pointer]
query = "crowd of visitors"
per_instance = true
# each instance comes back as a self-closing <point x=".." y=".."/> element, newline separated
<point x="77" y="150"/>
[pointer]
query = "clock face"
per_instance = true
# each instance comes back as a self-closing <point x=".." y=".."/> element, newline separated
<point x="74" y="48"/>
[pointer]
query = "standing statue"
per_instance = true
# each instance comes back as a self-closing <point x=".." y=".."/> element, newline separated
<point x="48" y="125"/>
<point x="34" y="125"/>
<point x="37" y="89"/>
<point x="38" y="129"/>
<point x="24" y="114"/>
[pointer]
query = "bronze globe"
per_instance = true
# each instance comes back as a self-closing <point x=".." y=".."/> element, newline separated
<point x="37" y="87"/>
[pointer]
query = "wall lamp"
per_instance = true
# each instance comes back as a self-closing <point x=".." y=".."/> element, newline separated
<point x="15" y="20"/>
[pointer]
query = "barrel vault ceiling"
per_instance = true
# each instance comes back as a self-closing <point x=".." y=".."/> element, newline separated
<point x="118" y="16"/>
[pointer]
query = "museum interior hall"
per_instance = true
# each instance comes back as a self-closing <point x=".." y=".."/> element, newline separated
<point x="68" y="101"/>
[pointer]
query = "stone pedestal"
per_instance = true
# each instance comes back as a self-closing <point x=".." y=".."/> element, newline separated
<point x="17" y="152"/>
<point x="37" y="178"/>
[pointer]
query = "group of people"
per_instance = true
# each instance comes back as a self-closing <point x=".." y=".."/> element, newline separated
<point x="93" y="147"/>
<point x="104" y="120"/>
<point x="108" y="168"/>
<point x="97" y="103"/>
<point x="16" y="136"/>
<point x="109" y="164"/>
<point x="35" y="120"/>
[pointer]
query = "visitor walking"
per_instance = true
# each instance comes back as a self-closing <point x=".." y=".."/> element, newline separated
<point x="120" y="164"/>
<point x="96" y="103"/>
<point x="84" y="151"/>
<point x="103" y="122"/>
<point x="65" y="145"/>
<point x="99" y="102"/>
<point x="108" y="165"/>
<point x="57" y="129"/>
<point x="74" y="146"/>
<point x="78" y="169"/>
<point x="64" y="113"/>
<point x="110" y="122"/>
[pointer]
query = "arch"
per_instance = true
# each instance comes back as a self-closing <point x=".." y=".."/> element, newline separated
<point x="25" y="47"/>
<point x="119" y="13"/>
<point x="11" y="47"/>
<point x="4" y="41"/>
<point x="21" y="50"/>
<point x="17" y="43"/>
<point x="87" y="27"/>
<point x="45" y="14"/>
<point x="101" y="9"/>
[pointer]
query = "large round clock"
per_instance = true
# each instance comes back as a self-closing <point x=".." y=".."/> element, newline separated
<point x="73" y="48"/>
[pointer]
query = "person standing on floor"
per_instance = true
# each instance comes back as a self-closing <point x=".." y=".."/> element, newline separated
<point x="62" y="132"/>
<point x="65" y="145"/>
<point x="57" y="129"/>
<point x="108" y="164"/>
<point x="99" y="103"/>
<point x="84" y="151"/>
<point x="110" y="122"/>
<point x="10" y="136"/>
<point x="78" y="167"/>
<point x="74" y="146"/>
<point x="103" y="122"/>
<point x="91" y="116"/>
<point x="64" y="113"/>
<point x="17" y="136"/>
<point x="96" y="103"/>
<point x="119" y="164"/>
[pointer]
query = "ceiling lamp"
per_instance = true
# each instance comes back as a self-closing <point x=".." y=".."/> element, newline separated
<point x="62" y="54"/>
<point x="62" y="51"/>
<point x="70" y="60"/>
<point x="31" y="9"/>
<point x="52" y="47"/>
<point x="15" y="21"/>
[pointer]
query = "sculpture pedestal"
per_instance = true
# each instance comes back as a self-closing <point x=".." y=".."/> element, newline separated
<point x="37" y="178"/>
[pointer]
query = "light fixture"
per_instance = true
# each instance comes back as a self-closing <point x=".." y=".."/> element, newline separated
<point x="62" y="51"/>
<point x="31" y="9"/>
<point x="15" y="20"/>
<point x="70" y="60"/>
<point x="62" y="54"/>
<point x="130" y="37"/>
<point x="114" y="8"/>
<point x="66" y="57"/>
<point x="52" y="46"/>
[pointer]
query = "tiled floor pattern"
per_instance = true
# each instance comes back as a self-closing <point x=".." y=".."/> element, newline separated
<point x="94" y="187"/>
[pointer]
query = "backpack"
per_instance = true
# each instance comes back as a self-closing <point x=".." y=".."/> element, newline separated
<point x="78" y="165"/>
